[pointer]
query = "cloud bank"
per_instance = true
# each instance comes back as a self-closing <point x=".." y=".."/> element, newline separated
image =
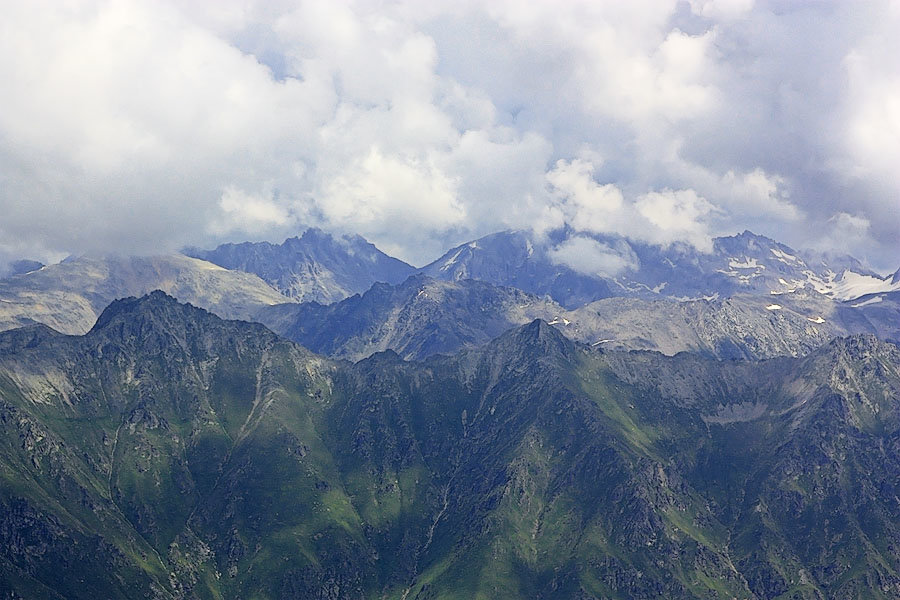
<point x="146" y="126"/>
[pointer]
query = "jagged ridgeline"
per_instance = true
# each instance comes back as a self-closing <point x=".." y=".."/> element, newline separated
<point x="171" y="454"/>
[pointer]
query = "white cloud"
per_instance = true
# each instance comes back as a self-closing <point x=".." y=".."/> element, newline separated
<point x="844" y="233"/>
<point x="722" y="9"/>
<point x="676" y="215"/>
<point x="590" y="257"/>
<point x="756" y="193"/>
<point x="658" y="217"/>
<point x="873" y="124"/>
<point x="423" y="124"/>
<point x="589" y="206"/>
<point x="248" y="214"/>
<point x="385" y="198"/>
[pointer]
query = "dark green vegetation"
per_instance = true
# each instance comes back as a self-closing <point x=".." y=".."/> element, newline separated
<point x="168" y="453"/>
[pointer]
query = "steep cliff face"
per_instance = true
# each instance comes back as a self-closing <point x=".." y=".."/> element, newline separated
<point x="170" y="454"/>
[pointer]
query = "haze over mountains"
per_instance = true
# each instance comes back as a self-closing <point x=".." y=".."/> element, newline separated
<point x="425" y="316"/>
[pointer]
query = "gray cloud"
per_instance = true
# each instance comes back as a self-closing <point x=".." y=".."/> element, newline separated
<point x="147" y="126"/>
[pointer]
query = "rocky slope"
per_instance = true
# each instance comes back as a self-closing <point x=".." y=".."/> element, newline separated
<point x="170" y="454"/>
<point x="424" y="316"/>
<point x="742" y="326"/>
<point x="313" y="267"/>
<point x="417" y="318"/>
<point x="70" y="295"/>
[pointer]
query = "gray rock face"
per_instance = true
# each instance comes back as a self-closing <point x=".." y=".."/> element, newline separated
<point x="742" y="326"/>
<point x="418" y="318"/>
<point x="70" y="295"/>
<point x="313" y="267"/>
<point x="740" y="264"/>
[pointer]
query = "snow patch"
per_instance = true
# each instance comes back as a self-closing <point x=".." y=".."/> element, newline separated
<point x="598" y="342"/>
<point x="558" y="320"/>
<point x="773" y="307"/>
<point x="451" y="261"/>
<point x="749" y="263"/>
<point x="819" y="320"/>
<point x="853" y="285"/>
<point x="785" y="257"/>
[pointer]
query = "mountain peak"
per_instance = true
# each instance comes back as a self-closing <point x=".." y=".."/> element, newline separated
<point x="158" y="324"/>
<point x="539" y="337"/>
<point x="156" y="301"/>
<point x="315" y="266"/>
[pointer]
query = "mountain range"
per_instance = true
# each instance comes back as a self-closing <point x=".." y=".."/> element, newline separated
<point x="672" y="299"/>
<point x="739" y="264"/>
<point x="69" y="296"/>
<point x="514" y="420"/>
<point x="315" y="266"/>
<point x="170" y="454"/>
<point x="425" y="316"/>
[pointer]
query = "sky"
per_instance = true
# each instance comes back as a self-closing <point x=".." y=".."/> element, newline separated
<point x="143" y="127"/>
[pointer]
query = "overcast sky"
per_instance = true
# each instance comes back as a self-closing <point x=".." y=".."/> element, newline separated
<point x="147" y="126"/>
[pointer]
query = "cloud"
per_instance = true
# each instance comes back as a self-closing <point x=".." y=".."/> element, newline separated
<point x="384" y="197"/>
<point x="722" y="9"/>
<point x="658" y="217"/>
<point x="844" y="233"/>
<point x="676" y="215"/>
<point x="142" y="127"/>
<point x="248" y="213"/>
<point x="590" y="257"/>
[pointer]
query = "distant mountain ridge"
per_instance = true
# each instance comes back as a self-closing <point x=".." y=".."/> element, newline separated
<point x="417" y="318"/>
<point x="424" y="316"/>
<point x="743" y="263"/>
<point x="70" y="295"/>
<point x="325" y="268"/>
<point x="315" y="266"/>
